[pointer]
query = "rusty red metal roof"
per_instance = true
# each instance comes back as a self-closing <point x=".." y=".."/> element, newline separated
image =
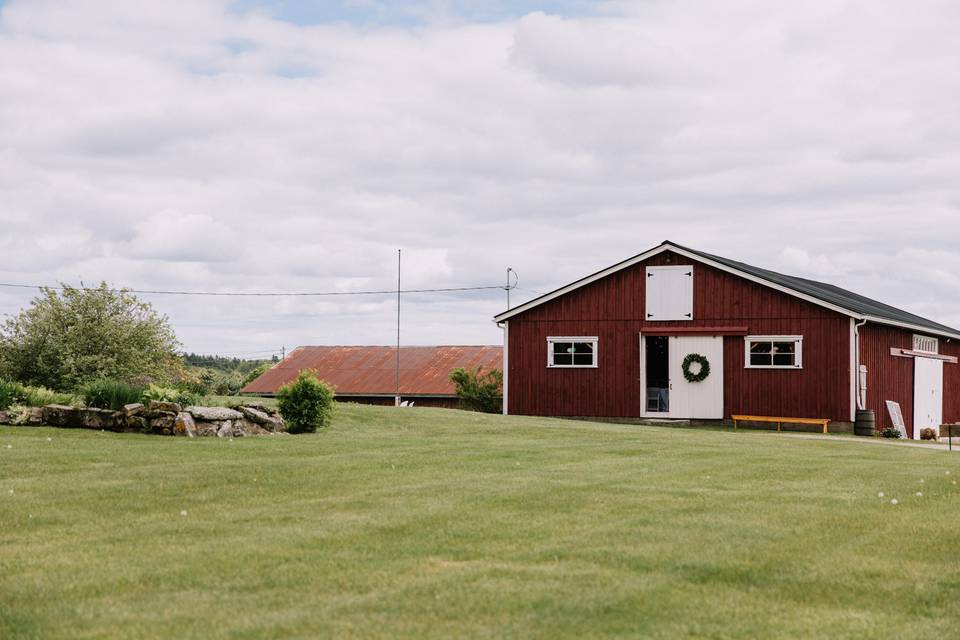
<point x="372" y="370"/>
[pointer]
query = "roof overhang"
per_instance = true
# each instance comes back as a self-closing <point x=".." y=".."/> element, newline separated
<point x="668" y="246"/>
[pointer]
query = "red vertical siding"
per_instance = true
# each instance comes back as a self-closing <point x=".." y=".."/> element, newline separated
<point x="613" y="309"/>
<point x="891" y="377"/>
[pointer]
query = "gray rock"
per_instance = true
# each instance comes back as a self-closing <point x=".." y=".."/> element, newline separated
<point x="162" y="422"/>
<point x="133" y="409"/>
<point x="184" y="425"/>
<point x="91" y="418"/>
<point x="136" y="424"/>
<point x="262" y="418"/>
<point x="33" y="416"/>
<point x="5" y="417"/>
<point x="61" y="415"/>
<point x="213" y="413"/>
<point x="207" y="429"/>
<point x="225" y="430"/>
<point x="157" y="406"/>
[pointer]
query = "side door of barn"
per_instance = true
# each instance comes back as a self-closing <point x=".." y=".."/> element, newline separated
<point x="927" y="394"/>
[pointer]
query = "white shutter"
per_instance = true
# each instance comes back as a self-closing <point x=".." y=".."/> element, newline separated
<point x="669" y="293"/>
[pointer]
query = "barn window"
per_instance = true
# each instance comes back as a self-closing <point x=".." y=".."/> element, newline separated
<point x="579" y="351"/>
<point x="669" y="293"/>
<point x="925" y="344"/>
<point x="774" y="352"/>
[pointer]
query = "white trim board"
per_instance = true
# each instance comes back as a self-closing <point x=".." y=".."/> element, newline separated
<point x="536" y="302"/>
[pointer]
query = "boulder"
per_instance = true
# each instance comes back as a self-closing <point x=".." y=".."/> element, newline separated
<point x="262" y="418"/>
<point x="184" y="425"/>
<point x="211" y="414"/>
<point x="136" y="424"/>
<point x="159" y="406"/>
<point x="207" y="429"/>
<point x="225" y="430"/>
<point x="133" y="409"/>
<point x="162" y="422"/>
<point x="5" y="417"/>
<point x="61" y="415"/>
<point x="91" y="418"/>
<point x="30" y="416"/>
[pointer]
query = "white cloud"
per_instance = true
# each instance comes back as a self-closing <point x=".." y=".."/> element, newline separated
<point x="194" y="147"/>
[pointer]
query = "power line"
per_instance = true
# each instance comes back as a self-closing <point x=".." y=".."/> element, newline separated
<point x="258" y="294"/>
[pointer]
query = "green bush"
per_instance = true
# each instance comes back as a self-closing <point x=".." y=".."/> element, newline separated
<point x="167" y="394"/>
<point x="306" y="403"/>
<point x="891" y="432"/>
<point x="110" y="394"/>
<point x="28" y="396"/>
<point x="11" y="393"/>
<point x="479" y="391"/>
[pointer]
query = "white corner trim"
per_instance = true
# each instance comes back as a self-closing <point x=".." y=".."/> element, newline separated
<point x="506" y="365"/>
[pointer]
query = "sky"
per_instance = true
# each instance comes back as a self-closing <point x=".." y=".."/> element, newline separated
<point x="283" y="146"/>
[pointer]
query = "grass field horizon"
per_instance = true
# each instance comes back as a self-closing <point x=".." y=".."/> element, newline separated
<point x="439" y="523"/>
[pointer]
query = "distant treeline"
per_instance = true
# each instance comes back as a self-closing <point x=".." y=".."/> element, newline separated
<point x="222" y="363"/>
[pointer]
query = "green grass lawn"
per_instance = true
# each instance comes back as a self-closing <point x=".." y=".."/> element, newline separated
<point x="435" y="523"/>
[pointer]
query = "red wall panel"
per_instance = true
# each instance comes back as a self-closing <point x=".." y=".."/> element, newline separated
<point x="891" y="377"/>
<point x="613" y="309"/>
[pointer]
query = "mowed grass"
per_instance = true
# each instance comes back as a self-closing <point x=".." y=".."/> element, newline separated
<point x="433" y="523"/>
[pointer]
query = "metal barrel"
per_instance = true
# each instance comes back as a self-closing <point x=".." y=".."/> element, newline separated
<point x="866" y="423"/>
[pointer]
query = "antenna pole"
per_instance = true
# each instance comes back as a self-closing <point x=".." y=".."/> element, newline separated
<point x="397" y="397"/>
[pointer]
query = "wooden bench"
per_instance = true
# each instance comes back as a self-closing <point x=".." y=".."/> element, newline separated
<point x="823" y="422"/>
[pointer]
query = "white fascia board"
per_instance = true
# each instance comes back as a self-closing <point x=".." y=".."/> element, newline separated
<point x="912" y="327"/>
<point x="722" y="267"/>
<point x="656" y="251"/>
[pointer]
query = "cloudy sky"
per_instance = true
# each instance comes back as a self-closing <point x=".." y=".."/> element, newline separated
<point x="282" y="145"/>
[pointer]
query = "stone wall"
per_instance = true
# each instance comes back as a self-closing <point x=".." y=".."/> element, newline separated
<point x="161" y="418"/>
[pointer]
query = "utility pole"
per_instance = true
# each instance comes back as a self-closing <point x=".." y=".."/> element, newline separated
<point x="397" y="397"/>
<point x="283" y="351"/>
<point x="510" y="286"/>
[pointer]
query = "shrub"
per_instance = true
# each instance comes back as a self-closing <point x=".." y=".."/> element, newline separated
<point x="11" y="393"/>
<point x="891" y="432"/>
<point x="479" y="391"/>
<point x="167" y="394"/>
<point x="110" y="394"/>
<point x="306" y="403"/>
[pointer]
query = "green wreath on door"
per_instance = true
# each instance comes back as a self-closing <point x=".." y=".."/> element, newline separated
<point x="704" y="368"/>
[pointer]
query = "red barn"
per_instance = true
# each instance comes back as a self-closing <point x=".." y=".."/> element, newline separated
<point x="368" y="375"/>
<point x="634" y="341"/>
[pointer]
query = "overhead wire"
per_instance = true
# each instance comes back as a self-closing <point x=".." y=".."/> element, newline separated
<point x="259" y="293"/>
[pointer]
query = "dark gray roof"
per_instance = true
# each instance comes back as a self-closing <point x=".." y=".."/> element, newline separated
<point x="829" y="293"/>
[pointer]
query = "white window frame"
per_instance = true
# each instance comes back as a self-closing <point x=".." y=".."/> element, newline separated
<point x="798" y="351"/>
<point x="592" y="339"/>
<point x="926" y="344"/>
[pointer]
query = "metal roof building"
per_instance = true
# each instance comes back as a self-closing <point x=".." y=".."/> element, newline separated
<point x="368" y="374"/>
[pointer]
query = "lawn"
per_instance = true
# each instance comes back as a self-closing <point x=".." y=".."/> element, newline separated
<point x="415" y="523"/>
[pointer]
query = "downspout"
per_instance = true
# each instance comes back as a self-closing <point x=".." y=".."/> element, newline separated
<point x="856" y="338"/>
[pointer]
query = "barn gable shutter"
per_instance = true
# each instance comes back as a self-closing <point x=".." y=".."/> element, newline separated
<point x="669" y="293"/>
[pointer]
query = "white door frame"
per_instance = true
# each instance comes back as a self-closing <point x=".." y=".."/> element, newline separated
<point x="716" y="369"/>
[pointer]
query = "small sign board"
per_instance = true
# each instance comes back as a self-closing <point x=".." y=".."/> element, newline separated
<point x="896" y="416"/>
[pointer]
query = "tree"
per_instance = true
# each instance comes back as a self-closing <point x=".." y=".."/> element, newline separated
<point x="69" y="337"/>
<point x="479" y="391"/>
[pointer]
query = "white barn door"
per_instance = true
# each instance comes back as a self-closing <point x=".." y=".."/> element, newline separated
<point x="704" y="399"/>
<point x="669" y="293"/>
<point x="927" y="394"/>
